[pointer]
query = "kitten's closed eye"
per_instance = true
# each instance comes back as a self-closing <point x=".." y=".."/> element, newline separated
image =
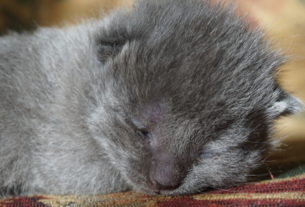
<point x="144" y="132"/>
<point x="141" y="129"/>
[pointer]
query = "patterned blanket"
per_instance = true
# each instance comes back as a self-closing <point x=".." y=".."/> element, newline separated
<point x="286" y="190"/>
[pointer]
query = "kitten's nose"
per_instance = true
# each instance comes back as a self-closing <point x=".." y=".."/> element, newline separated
<point x="165" y="173"/>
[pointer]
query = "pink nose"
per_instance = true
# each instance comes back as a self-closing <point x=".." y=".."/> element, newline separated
<point x="165" y="173"/>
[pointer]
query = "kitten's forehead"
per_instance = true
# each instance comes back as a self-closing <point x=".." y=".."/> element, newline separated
<point x="200" y="60"/>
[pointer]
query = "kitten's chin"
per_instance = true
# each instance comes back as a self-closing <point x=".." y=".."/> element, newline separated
<point x="148" y="191"/>
<point x="180" y="190"/>
<point x="173" y="192"/>
<point x="157" y="192"/>
<point x="153" y="191"/>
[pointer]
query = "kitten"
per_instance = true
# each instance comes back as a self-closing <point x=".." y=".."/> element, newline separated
<point x="172" y="97"/>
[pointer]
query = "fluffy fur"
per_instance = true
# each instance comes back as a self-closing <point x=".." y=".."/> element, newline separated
<point x="172" y="97"/>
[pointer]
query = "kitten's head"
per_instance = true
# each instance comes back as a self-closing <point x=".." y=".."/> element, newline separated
<point x="186" y="98"/>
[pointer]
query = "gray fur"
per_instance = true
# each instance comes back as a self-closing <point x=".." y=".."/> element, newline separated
<point x="173" y="97"/>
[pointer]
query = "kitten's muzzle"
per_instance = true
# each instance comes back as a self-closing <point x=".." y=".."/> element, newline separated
<point x="165" y="173"/>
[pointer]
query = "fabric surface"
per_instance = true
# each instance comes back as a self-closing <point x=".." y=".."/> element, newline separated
<point x="286" y="190"/>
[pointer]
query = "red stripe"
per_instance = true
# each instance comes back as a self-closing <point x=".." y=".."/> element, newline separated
<point x="177" y="202"/>
<point x="189" y="202"/>
<point x="23" y="202"/>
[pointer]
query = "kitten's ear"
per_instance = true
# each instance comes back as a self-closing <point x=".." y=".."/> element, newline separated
<point x="286" y="104"/>
<point x="109" y="48"/>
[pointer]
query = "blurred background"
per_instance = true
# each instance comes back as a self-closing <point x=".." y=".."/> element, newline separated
<point x="282" y="20"/>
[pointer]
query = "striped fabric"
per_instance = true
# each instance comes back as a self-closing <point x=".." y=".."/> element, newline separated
<point x="286" y="191"/>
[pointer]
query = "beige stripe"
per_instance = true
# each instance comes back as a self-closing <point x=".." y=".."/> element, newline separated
<point x="250" y="196"/>
<point x="279" y="179"/>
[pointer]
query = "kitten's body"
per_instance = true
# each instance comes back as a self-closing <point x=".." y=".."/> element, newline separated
<point x="44" y="140"/>
<point x="73" y="100"/>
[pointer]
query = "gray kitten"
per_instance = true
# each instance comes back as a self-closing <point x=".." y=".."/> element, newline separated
<point x="172" y="97"/>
